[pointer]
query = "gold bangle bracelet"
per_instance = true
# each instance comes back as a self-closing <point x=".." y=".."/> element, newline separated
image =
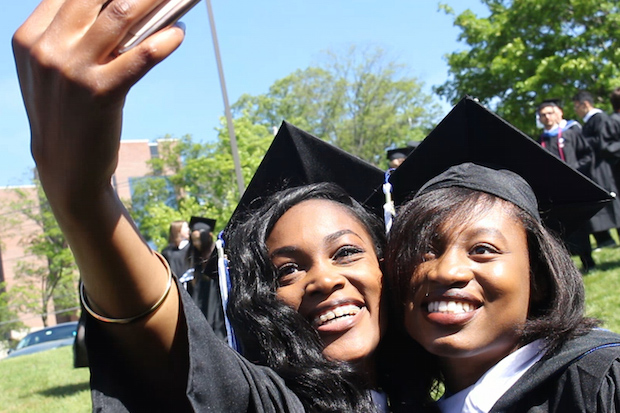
<point x="128" y="320"/>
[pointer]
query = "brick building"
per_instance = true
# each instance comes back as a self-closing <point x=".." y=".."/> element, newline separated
<point x="133" y="157"/>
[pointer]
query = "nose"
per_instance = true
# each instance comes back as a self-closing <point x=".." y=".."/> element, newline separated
<point x="324" y="278"/>
<point x="452" y="268"/>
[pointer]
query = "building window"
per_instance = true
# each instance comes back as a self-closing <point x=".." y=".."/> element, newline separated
<point x="154" y="148"/>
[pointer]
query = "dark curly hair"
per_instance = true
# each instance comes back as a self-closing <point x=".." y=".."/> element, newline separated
<point x="273" y="334"/>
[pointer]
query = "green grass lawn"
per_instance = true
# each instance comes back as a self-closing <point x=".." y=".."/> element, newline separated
<point x="47" y="382"/>
<point x="602" y="287"/>
<point x="44" y="382"/>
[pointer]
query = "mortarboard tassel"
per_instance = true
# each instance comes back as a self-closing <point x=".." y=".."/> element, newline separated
<point x="388" y="208"/>
<point x="224" y="281"/>
<point x="187" y="277"/>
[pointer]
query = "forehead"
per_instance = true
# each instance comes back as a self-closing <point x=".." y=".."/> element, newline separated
<point x="321" y="210"/>
<point x="317" y="216"/>
<point x="547" y="110"/>
<point x="500" y="215"/>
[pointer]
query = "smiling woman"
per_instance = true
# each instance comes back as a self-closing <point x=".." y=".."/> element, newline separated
<point x="321" y="252"/>
<point x="328" y="271"/>
<point x="296" y="255"/>
<point x="491" y="297"/>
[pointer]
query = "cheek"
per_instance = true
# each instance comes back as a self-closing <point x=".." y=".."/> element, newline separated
<point x="371" y="286"/>
<point x="409" y="319"/>
<point x="290" y="296"/>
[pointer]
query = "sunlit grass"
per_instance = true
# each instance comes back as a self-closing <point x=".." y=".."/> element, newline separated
<point x="602" y="287"/>
<point x="44" y="382"/>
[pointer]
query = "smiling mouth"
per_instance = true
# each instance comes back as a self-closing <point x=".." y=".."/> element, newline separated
<point x="450" y="307"/>
<point x="336" y="314"/>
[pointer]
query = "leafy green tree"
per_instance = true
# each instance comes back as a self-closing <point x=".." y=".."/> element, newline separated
<point x="191" y="178"/>
<point x="526" y="51"/>
<point x="360" y="101"/>
<point x="8" y="316"/>
<point x="50" y="274"/>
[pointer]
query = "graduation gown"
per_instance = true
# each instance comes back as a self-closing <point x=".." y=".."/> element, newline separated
<point x="582" y="376"/>
<point x="599" y="133"/>
<point x="206" y="294"/>
<point x="177" y="258"/>
<point x="219" y="379"/>
<point x="568" y="144"/>
<point x="615" y="119"/>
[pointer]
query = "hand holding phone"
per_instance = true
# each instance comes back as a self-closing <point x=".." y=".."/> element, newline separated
<point x="163" y="16"/>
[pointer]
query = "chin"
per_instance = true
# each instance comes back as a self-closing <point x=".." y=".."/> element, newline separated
<point x="348" y="352"/>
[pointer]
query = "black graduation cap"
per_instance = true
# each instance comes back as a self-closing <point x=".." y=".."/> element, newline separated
<point x="471" y="133"/>
<point x="399" y="153"/>
<point x="198" y="223"/>
<point x="297" y="158"/>
<point x="550" y="102"/>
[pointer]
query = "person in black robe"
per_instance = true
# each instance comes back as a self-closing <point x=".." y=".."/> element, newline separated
<point x="491" y="299"/>
<point x="563" y="139"/>
<point x="203" y="283"/>
<point x="614" y="99"/>
<point x="599" y="132"/>
<point x="176" y="252"/>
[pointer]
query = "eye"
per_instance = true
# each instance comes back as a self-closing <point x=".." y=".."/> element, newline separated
<point x="288" y="274"/>
<point x="347" y="254"/>
<point x="287" y="269"/>
<point x="483" y="249"/>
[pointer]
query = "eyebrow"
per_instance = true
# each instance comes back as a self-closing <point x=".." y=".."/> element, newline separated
<point x="288" y="250"/>
<point x="487" y="231"/>
<point x="338" y="234"/>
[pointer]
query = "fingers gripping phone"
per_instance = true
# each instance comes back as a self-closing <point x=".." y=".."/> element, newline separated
<point x="163" y="16"/>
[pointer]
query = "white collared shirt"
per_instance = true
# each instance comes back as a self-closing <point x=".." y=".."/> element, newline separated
<point x="482" y="395"/>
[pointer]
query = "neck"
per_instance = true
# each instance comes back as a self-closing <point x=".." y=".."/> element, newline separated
<point x="460" y="373"/>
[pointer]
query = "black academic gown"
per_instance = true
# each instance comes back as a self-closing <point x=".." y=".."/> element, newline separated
<point x="219" y="379"/>
<point x="598" y="132"/>
<point x="177" y="258"/>
<point x="569" y="145"/>
<point x="206" y="295"/>
<point x="583" y="376"/>
<point x="615" y="119"/>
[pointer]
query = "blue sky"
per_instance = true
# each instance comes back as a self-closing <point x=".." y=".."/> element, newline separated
<point x="260" y="42"/>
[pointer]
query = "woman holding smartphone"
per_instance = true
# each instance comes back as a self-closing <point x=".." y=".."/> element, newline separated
<point x="149" y="346"/>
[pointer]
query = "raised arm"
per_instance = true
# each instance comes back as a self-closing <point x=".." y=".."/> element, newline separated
<point x="74" y="86"/>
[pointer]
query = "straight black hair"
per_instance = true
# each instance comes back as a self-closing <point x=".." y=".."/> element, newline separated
<point x="557" y="297"/>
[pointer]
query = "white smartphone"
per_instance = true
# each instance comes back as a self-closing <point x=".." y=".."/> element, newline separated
<point x="164" y="15"/>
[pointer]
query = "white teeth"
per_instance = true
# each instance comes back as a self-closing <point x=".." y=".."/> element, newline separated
<point x="338" y="312"/>
<point x="450" y="307"/>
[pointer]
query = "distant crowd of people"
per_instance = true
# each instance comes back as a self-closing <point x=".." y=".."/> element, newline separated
<point x="190" y="246"/>
<point x="594" y="150"/>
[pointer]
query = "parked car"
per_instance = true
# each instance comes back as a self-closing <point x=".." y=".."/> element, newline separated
<point x="48" y="338"/>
